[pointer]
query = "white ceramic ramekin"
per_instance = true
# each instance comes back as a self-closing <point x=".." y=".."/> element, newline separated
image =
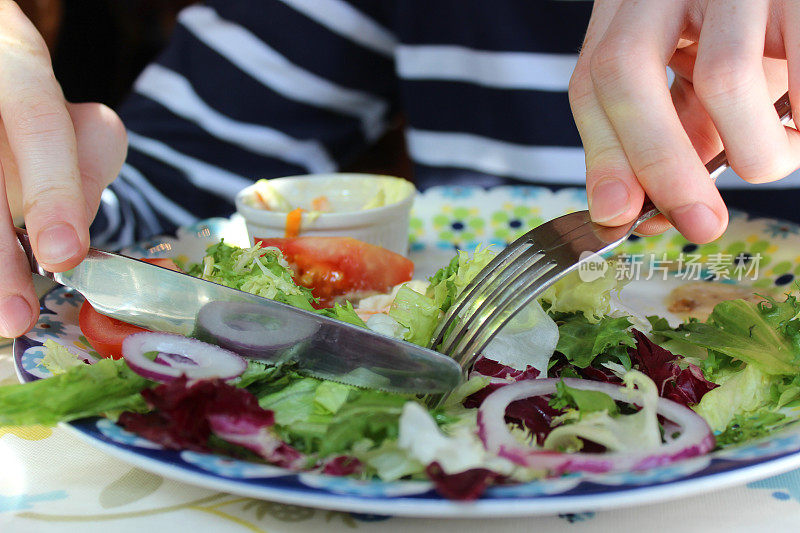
<point x="385" y="226"/>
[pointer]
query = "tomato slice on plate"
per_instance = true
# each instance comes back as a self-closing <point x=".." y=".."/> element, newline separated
<point x="163" y="262"/>
<point x="335" y="268"/>
<point x="106" y="334"/>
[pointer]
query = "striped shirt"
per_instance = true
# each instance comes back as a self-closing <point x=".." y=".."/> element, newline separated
<point x="250" y="89"/>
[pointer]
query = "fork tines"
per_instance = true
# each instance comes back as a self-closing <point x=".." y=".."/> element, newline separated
<point x="514" y="278"/>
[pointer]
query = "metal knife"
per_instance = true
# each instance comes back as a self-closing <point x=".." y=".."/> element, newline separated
<point x="160" y="299"/>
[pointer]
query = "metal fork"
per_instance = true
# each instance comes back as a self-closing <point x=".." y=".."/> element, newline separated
<point x="531" y="264"/>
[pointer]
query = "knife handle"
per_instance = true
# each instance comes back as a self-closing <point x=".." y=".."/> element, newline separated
<point x="25" y="242"/>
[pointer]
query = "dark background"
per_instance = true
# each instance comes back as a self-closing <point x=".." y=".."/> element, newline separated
<point x="99" y="46"/>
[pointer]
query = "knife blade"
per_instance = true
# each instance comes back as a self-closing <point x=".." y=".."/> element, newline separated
<point x="258" y="328"/>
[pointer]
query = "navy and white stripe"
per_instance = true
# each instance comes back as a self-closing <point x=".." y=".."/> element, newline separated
<point x="249" y="89"/>
<point x="174" y="92"/>
<point x="499" y="70"/>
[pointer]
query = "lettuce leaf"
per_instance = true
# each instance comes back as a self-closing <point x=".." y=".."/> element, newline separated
<point x="416" y="312"/>
<point x="261" y="271"/>
<point x="265" y="272"/>
<point x="532" y="415"/>
<point x="331" y="396"/>
<point x="388" y="461"/>
<point x="462" y="486"/>
<point x="181" y="410"/>
<point x="674" y="344"/>
<point x="753" y="425"/>
<point x="572" y="295"/>
<point x="583" y="341"/>
<point x="756" y="334"/>
<point x="58" y="359"/>
<point x="585" y="401"/>
<point x="448" y="282"/>
<point x="80" y="391"/>
<point x="753" y="354"/>
<point x="457" y="450"/>
<point x="739" y="393"/>
<point x="529" y="339"/>
<point x="343" y="312"/>
<point x="369" y="415"/>
<point x="386" y="325"/>
<point x="327" y="418"/>
<point x="676" y="378"/>
<point x="636" y="431"/>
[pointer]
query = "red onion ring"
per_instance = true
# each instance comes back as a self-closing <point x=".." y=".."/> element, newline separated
<point x="695" y="438"/>
<point x="250" y="330"/>
<point x="179" y="355"/>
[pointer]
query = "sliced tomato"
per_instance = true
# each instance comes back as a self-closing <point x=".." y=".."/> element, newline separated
<point x="335" y="268"/>
<point x="163" y="262"/>
<point x="106" y="334"/>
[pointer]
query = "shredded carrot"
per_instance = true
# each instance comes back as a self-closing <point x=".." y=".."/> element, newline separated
<point x="293" y="220"/>
<point x="321" y="204"/>
<point x="263" y="201"/>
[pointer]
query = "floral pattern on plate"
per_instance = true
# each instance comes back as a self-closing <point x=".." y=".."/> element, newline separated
<point x="782" y="443"/>
<point x="232" y="468"/>
<point x="113" y="432"/>
<point x="364" y="488"/>
<point x="654" y="475"/>
<point x="536" y="488"/>
<point x="32" y="362"/>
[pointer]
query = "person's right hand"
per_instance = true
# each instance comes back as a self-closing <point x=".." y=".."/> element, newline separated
<point x="731" y="59"/>
<point x="55" y="160"/>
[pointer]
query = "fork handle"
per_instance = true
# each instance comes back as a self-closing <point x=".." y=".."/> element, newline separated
<point x="719" y="163"/>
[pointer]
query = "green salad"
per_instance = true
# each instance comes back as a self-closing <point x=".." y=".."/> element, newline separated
<point x="574" y="383"/>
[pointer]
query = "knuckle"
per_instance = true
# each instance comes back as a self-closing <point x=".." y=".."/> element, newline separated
<point x="19" y="35"/>
<point x="98" y="122"/>
<point x="103" y="130"/>
<point x="39" y="117"/>
<point x="116" y="136"/>
<point x="46" y="198"/>
<point x="580" y="88"/>
<point x="761" y="167"/>
<point x="611" y="60"/>
<point x="116" y="129"/>
<point x="602" y="159"/>
<point x="721" y="79"/>
<point x="655" y="162"/>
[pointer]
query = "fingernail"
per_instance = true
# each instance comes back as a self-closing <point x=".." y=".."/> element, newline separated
<point x="58" y="243"/>
<point x="609" y="199"/>
<point x="15" y="316"/>
<point x="697" y="222"/>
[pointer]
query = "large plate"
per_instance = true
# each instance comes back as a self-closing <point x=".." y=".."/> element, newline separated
<point x="448" y="218"/>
